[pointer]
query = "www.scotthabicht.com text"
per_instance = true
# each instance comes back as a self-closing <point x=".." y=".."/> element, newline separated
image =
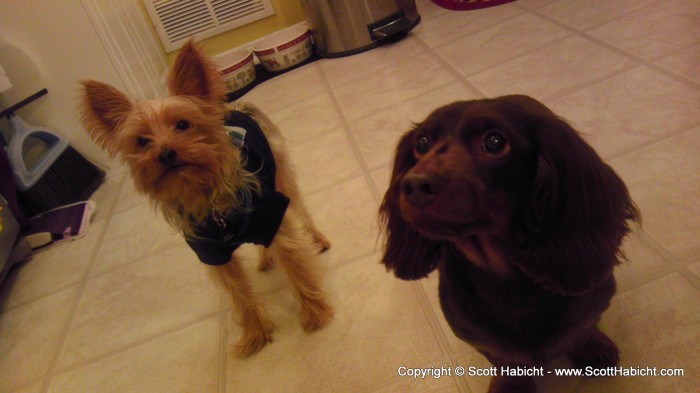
<point x="472" y="371"/>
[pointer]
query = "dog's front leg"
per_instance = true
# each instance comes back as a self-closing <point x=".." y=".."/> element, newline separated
<point x="257" y="330"/>
<point x="293" y="249"/>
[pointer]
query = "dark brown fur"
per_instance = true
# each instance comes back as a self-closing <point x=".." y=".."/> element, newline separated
<point x="525" y="236"/>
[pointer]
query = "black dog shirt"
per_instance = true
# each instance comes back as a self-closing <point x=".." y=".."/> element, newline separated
<point x="260" y="216"/>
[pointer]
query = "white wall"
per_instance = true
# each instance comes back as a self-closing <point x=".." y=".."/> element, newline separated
<point x="72" y="40"/>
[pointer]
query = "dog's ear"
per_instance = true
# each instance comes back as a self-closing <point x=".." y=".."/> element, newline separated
<point x="195" y="74"/>
<point x="409" y="254"/>
<point x="103" y="111"/>
<point x="576" y="214"/>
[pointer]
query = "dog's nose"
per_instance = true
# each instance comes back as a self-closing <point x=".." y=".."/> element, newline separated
<point x="420" y="189"/>
<point x="167" y="157"/>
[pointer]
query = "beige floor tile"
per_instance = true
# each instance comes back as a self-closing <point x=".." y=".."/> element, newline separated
<point x="695" y="268"/>
<point x="31" y="389"/>
<point x="105" y="197"/>
<point x="343" y="70"/>
<point x="391" y="85"/>
<point x="347" y="215"/>
<point x="551" y="70"/>
<point x="307" y="119"/>
<point x="283" y="91"/>
<point x="134" y="234"/>
<point x="30" y="335"/>
<point x="642" y="264"/>
<point x="324" y="161"/>
<point x="381" y="178"/>
<point x="505" y="41"/>
<point x="535" y="3"/>
<point x="452" y="25"/>
<point x="685" y="63"/>
<point x="437" y="382"/>
<point x="378" y="135"/>
<point x="184" y="361"/>
<point x="589" y="14"/>
<point x="664" y="182"/>
<point x="137" y="301"/>
<point x="428" y="10"/>
<point x="608" y="113"/>
<point x="56" y="268"/>
<point x="656" y="325"/>
<point x="129" y="197"/>
<point x="655" y="31"/>
<point x="378" y="327"/>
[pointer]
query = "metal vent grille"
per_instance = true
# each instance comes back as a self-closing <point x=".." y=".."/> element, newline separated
<point x="178" y="20"/>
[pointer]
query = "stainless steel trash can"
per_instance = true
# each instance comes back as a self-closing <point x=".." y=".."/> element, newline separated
<point x="345" y="27"/>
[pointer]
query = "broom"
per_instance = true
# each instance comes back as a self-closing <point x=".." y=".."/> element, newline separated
<point x="58" y="177"/>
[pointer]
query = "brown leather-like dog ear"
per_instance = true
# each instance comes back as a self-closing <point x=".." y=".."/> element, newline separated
<point x="407" y="253"/>
<point x="103" y="111"/>
<point x="194" y="74"/>
<point x="577" y="213"/>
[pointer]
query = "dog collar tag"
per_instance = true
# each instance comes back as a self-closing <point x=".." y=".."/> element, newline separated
<point x="218" y="217"/>
<point x="237" y="135"/>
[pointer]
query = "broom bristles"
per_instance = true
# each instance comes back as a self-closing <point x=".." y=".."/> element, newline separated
<point x="71" y="178"/>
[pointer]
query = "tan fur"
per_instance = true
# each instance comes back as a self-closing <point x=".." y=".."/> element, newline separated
<point x="204" y="173"/>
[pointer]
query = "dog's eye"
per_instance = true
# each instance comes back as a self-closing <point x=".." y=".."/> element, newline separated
<point x="182" y="125"/>
<point x="142" y="141"/>
<point x="422" y="145"/>
<point x="494" y="143"/>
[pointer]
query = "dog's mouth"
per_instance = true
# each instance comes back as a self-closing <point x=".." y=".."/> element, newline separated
<point x="439" y="226"/>
<point x="173" y="171"/>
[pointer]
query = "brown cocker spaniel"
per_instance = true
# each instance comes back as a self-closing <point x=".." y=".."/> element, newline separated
<point x="524" y="222"/>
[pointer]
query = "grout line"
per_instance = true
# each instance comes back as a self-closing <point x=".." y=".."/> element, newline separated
<point x="452" y="70"/>
<point x="688" y="275"/>
<point x="438" y="333"/>
<point x="660" y="249"/>
<point x="672" y="264"/>
<point x="366" y="173"/>
<point x="82" y="284"/>
<point x="621" y="16"/>
<point x="223" y="344"/>
<point x="88" y="266"/>
<point x="592" y="82"/>
<point x="462" y="36"/>
<point x="651" y="143"/>
<point x="648" y="63"/>
<point x="135" y="344"/>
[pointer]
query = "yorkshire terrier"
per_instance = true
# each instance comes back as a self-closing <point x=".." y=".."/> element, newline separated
<point x="221" y="176"/>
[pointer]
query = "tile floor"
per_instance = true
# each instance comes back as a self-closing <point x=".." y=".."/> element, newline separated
<point x="128" y="308"/>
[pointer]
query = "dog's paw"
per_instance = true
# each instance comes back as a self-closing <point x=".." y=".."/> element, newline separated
<point x="598" y="351"/>
<point x="253" y="341"/>
<point x="316" y="316"/>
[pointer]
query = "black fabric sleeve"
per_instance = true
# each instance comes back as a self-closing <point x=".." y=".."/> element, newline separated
<point x="212" y="253"/>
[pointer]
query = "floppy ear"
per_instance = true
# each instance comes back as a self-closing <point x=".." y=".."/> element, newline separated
<point x="103" y="111"/>
<point x="576" y="215"/>
<point x="408" y="253"/>
<point x="195" y="74"/>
